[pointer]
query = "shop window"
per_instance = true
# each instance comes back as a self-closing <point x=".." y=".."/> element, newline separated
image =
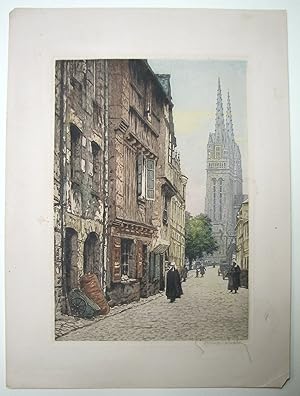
<point x="127" y="257"/>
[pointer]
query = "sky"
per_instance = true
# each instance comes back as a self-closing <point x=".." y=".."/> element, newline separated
<point x="194" y="94"/>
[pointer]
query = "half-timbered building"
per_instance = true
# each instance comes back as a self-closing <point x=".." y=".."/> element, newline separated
<point x="136" y="103"/>
<point x="119" y="195"/>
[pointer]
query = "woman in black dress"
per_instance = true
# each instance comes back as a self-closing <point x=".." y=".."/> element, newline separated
<point x="173" y="289"/>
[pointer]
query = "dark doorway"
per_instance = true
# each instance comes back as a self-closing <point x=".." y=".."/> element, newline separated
<point x="161" y="273"/>
<point x="91" y="255"/>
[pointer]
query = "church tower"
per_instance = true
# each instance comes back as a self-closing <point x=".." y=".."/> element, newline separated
<point x="224" y="193"/>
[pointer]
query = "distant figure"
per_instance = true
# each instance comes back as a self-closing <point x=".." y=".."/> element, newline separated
<point x="173" y="289"/>
<point x="234" y="277"/>
<point x="202" y="270"/>
<point x="184" y="273"/>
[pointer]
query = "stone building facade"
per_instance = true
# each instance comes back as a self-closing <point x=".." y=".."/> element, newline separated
<point x="119" y="197"/>
<point x="79" y="174"/>
<point x="173" y="185"/>
<point x="224" y="193"/>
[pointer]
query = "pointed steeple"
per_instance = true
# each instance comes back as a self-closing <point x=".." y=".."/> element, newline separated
<point x="229" y="125"/>
<point x="220" y="125"/>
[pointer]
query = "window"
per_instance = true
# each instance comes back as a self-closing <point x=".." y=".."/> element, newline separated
<point x="217" y="152"/>
<point x="165" y="211"/>
<point x="141" y="258"/>
<point x="77" y="90"/>
<point x="148" y="107"/>
<point x="96" y="166"/>
<point x="75" y="152"/>
<point x="150" y="179"/>
<point x="214" y="198"/>
<point x="221" y="197"/>
<point x="170" y="148"/>
<point x="145" y="177"/>
<point x="140" y="176"/>
<point x="126" y="256"/>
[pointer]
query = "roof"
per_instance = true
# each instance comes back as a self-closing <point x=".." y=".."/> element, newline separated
<point x="164" y="79"/>
<point x="159" y="83"/>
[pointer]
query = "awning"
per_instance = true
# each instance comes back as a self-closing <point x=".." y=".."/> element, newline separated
<point x="160" y="246"/>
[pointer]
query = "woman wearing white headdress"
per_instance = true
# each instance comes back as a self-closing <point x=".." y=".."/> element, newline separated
<point x="173" y="289"/>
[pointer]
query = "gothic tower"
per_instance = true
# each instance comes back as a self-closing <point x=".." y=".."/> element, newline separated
<point x="224" y="193"/>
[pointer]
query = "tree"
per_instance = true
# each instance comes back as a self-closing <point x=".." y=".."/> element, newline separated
<point x="198" y="236"/>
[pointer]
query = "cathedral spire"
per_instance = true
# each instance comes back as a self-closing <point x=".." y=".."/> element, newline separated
<point x="220" y="125"/>
<point x="229" y="125"/>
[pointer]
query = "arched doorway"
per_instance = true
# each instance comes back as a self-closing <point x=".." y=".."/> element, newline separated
<point x="71" y="259"/>
<point x="91" y="254"/>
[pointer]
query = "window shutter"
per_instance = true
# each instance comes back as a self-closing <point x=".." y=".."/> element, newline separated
<point x="139" y="259"/>
<point x="116" y="259"/>
<point x="140" y="175"/>
<point x="150" y="181"/>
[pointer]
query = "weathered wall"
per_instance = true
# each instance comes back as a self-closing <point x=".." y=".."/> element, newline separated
<point x="78" y="168"/>
<point x="124" y="293"/>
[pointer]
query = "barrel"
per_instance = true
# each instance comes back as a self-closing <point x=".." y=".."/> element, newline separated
<point x="90" y="285"/>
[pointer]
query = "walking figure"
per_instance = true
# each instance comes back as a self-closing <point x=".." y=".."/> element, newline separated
<point x="234" y="281"/>
<point x="173" y="289"/>
<point x="202" y="270"/>
<point x="184" y="273"/>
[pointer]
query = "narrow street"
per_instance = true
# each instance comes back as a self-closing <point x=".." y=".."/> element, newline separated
<point x="206" y="311"/>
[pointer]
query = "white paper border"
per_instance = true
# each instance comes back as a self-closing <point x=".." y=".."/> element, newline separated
<point x="37" y="38"/>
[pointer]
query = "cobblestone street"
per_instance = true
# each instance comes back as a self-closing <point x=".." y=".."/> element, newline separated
<point x="206" y="311"/>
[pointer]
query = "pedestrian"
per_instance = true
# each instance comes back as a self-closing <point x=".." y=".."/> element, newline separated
<point x="234" y="281"/>
<point x="184" y="273"/>
<point x="202" y="270"/>
<point x="173" y="289"/>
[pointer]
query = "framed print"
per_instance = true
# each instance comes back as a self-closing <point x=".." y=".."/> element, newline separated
<point x="148" y="199"/>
